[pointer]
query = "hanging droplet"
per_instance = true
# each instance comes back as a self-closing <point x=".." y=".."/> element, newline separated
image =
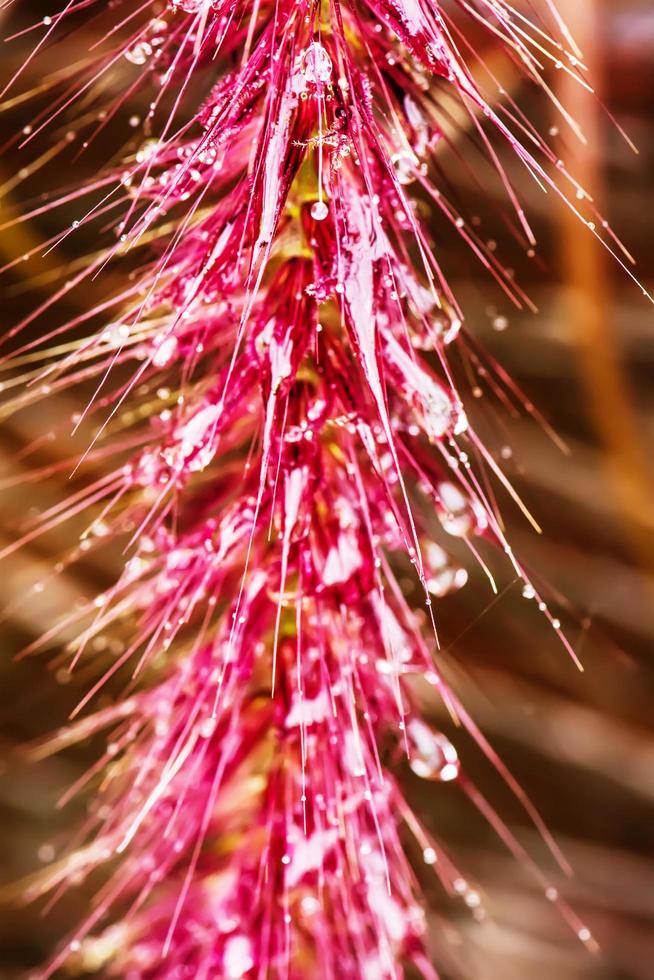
<point x="458" y="515"/>
<point x="319" y="211"/>
<point x="139" y="53"/>
<point x="432" y="756"/>
<point x="316" y="64"/>
<point x="442" y="575"/>
<point x="404" y="166"/>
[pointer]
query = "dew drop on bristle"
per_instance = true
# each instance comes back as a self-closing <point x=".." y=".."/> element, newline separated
<point x="319" y="211"/>
<point x="316" y="64"/>
<point x="431" y="754"/>
<point x="404" y="167"/>
<point x="139" y="53"/>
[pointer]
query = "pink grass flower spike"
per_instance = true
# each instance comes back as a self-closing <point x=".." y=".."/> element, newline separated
<point x="272" y="399"/>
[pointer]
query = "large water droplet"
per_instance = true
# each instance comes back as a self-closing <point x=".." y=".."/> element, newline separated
<point x="458" y="515"/>
<point x="319" y="211"/>
<point x="432" y="756"/>
<point x="442" y="575"/>
<point x="316" y="64"/>
<point x="404" y="166"/>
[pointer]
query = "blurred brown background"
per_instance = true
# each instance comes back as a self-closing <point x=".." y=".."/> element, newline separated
<point x="581" y="745"/>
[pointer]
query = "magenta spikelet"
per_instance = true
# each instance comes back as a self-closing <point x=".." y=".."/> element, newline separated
<point x="275" y="407"/>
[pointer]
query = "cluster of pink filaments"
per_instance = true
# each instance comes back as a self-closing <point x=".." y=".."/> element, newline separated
<point x="287" y="432"/>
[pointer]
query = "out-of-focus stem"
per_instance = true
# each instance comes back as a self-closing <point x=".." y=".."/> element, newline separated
<point x="588" y="299"/>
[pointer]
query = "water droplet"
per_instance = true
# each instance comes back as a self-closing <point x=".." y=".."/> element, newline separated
<point x="116" y="334"/>
<point x="316" y="64"/>
<point x="319" y="211"/>
<point x="139" y="53"/>
<point x="432" y="756"/>
<point x="165" y="348"/>
<point x="442" y="575"/>
<point x="404" y="166"/>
